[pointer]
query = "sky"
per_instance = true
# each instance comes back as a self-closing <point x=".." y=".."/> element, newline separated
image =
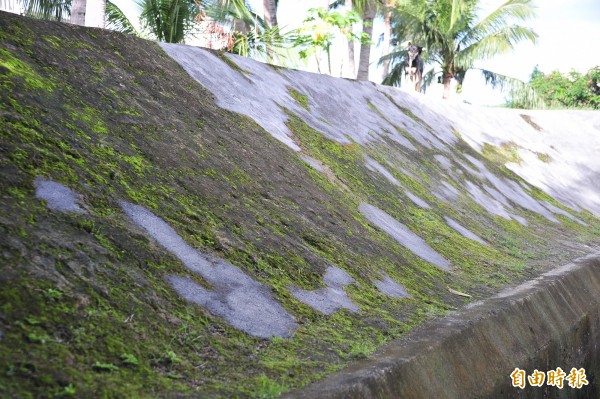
<point x="569" y="38"/>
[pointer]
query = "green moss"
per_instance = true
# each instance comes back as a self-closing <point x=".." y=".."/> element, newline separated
<point x="300" y="98"/>
<point x="527" y="118"/>
<point x="543" y="157"/>
<point x="507" y="152"/>
<point x="89" y="118"/>
<point x="232" y="64"/>
<point x="13" y="67"/>
<point x="54" y="41"/>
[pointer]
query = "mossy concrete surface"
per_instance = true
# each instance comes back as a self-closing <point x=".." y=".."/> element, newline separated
<point x="550" y="322"/>
<point x="90" y="304"/>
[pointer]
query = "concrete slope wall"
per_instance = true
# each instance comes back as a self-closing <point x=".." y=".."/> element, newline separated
<point x="176" y="222"/>
<point x="549" y="322"/>
<point x="545" y="146"/>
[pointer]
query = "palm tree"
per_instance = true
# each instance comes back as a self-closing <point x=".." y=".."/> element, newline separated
<point x="252" y="35"/>
<point x="351" y="61"/>
<point x="387" y="10"/>
<point x="54" y="10"/>
<point x="270" y="12"/>
<point x="454" y="38"/>
<point x="78" y="8"/>
<point x="169" y="20"/>
<point x="73" y="11"/>
<point x="365" y="48"/>
<point x="115" y="19"/>
<point x="270" y="18"/>
<point x="368" y="9"/>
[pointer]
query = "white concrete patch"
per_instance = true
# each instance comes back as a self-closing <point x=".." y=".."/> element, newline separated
<point x="339" y="108"/>
<point x="492" y="205"/>
<point x="570" y="138"/>
<point x="403" y="235"/>
<point x="515" y="193"/>
<point x="249" y="95"/>
<point x="445" y="162"/>
<point x="392" y="288"/>
<point x="330" y="299"/>
<point x="421" y="108"/>
<point x="57" y="196"/>
<point x="313" y="162"/>
<point x="417" y="200"/>
<point x="558" y="211"/>
<point x="464" y="231"/>
<point x="446" y="192"/>
<point x="374" y="166"/>
<point x="242" y="302"/>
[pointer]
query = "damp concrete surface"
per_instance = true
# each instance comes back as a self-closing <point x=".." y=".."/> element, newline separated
<point x="403" y="235"/>
<point x="241" y="301"/>
<point x="463" y="230"/>
<point x="57" y="196"/>
<point x="331" y="298"/>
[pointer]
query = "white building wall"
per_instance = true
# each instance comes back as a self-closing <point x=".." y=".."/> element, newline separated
<point x="11" y="6"/>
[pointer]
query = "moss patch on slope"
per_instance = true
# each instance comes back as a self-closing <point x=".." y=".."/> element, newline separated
<point x="114" y="118"/>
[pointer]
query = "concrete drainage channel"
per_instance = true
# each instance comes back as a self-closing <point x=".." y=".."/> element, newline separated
<point x="549" y="322"/>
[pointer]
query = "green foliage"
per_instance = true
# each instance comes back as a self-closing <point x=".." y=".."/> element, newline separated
<point x="129" y="359"/>
<point x="68" y="390"/>
<point x="269" y="388"/>
<point x="572" y="90"/>
<point x="54" y="10"/>
<point x="53" y="294"/>
<point x="320" y="28"/>
<point x="105" y="366"/>
<point x="171" y="357"/>
<point x="115" y="19"/>
<point x="249" y="34"/>
<point x="453" y="36"/>
<point x="168" y="20"/>
<point x="361" y="350"/>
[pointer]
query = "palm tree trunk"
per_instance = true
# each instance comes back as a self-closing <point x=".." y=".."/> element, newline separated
<point x="351" y="63"/>
<point x="447" y="80"/>
<point x="78" y="12"/>
<point x="387" y="36"/>
<point x="270" y="12"/>
<point x="95" y="15"/>
<point x="365" y="49"/>
<point x="101" y="22"/>
<point x="270" y="15"/>
<point x="240" y="26"/>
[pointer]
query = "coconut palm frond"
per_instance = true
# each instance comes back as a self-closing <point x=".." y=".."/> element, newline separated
<point x="459" y="8"/>
<point x="54" y="10"/>
<point x="499" y="42"/>
<point x="498" y="19"/>
<point x="428" y="78"/>
<point x="453" y="36"/>
<point x="230" y="10"/>
<point x="522" y="94"/>
<point x="169" y="20"/>
<point x="261" y="44"/>
<point x="116" y="20"/>
<point x="394" y="77"/>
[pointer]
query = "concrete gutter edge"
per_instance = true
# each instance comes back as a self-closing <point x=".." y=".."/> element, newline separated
<point x="548" y="322"/>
